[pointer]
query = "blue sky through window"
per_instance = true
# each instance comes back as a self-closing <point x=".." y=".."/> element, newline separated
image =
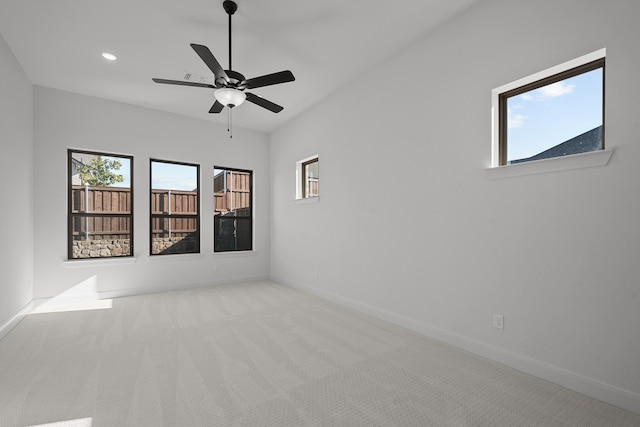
<point x="545" y="117"/>
<point x="172" y="176"/>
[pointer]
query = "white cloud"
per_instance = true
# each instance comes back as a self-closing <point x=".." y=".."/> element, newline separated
<point x="515" y="120"/>
<point x="526" y="97"/>
<point x="555" y="89"/>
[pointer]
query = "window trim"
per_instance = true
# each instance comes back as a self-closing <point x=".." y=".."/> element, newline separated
<point x="71" y="215"/>
<point x="553" y="164"/>
<point x="249" y="219"/>
<point x="585" y="63"/>
<point x="163" y="215"/>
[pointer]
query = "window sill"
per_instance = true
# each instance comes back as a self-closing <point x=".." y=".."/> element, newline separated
<point x="174" y="257"/>
<point x="556" y="164"/>
<point x="307" y="200"/>
<point x="232" y="254"/>
<point x="98" y="262"/>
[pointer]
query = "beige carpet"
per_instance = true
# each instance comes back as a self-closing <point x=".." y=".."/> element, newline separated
<point x="262" y="354"/>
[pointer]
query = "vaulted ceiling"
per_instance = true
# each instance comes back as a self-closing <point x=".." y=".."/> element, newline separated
<point x="326" y="44"/>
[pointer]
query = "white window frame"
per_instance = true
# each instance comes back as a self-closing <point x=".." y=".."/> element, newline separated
<point x="594" y="158"/>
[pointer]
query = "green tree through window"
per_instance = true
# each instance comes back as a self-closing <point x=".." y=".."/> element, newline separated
<point x="99" y="171"/>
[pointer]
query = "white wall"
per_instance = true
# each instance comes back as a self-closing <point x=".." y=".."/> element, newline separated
<point x="411" y="228"/>
<point x="16" y="188"/>
<point x="65" y="120"/>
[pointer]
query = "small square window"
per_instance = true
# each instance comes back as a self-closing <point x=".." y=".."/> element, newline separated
<point x="311" y="178"/>
<point x="554" y="113"/>
<point x="308" y="178"/>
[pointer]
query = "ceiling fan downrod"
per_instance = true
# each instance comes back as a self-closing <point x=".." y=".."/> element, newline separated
<point x="230" y="7"/>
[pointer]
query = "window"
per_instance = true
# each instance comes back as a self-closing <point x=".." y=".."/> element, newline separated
<point x="233" y="209"/>
<point x="553" y="113"/>
<point x="100" y="205"/>
<point x="308" y="178"/>
<point x="175" y="209"/>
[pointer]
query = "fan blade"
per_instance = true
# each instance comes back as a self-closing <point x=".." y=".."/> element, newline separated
<point x="264" y="103"/>
<point x="183" y="83"/>
<point x="216" y="107"/>
<point x="269" y="79"/>
<point x="205" y="54"/>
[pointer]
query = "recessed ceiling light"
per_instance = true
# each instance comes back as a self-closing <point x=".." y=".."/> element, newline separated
<point x="109" y="56"/>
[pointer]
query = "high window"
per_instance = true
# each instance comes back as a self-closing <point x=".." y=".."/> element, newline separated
<point x="554" y="113"/>
<point x="308" y="178"/>
<point x="175" y="208"/>
<point x="233" y="209"/>
<point x="100" y="205"/>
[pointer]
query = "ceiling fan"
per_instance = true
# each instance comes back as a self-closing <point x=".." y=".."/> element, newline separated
<point x="230" y="85"/>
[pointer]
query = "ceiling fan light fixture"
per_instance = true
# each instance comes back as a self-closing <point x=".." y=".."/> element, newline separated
<point x="109" y="56"/>
<point x="230" y="97"/>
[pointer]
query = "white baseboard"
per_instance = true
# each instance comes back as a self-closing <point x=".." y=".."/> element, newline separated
<point x="11" y="323"/>
<point x="588" y="386"/>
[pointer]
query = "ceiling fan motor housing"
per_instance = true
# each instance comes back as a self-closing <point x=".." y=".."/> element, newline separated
<point x="235" y="78"/>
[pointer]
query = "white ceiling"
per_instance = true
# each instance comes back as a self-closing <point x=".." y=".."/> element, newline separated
<point x="326" y="44"/>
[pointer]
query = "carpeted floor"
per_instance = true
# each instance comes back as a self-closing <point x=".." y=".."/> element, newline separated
<point x="262" y="354"/>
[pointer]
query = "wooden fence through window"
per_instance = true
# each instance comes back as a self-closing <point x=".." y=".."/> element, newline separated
<point x="105" y="212"/>
<point x="100" y="212"/>
<point x="231" y="192"/>
<point x="174" y="213"/>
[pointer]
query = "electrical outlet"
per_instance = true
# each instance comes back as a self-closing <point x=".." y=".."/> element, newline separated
<point x="498" y="321"/>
